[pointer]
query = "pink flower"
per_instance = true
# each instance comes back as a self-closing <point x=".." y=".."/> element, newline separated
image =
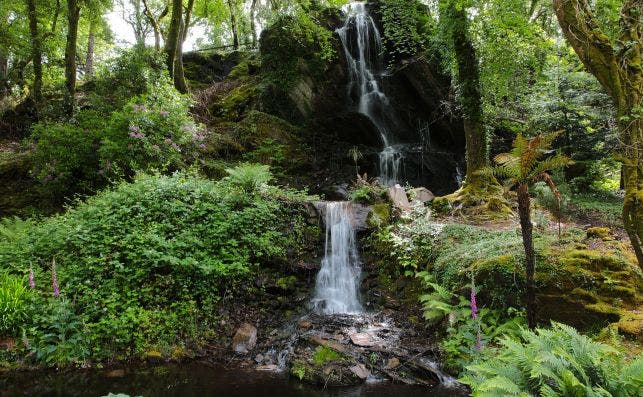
<point x="164" y="113"/>
<point x="168" y="141"/>
<point x="474" y="306"/>
<point x="32" y="283"/>
<point x="202" y="146"/>
<point x="54" y="279"/>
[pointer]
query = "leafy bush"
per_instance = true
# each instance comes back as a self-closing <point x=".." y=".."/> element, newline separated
<point x="133" y="72"/>
<point x="66" y="159"/>
<point x="13" y="304"/>
<point x="57" y="335"/>
<point x="146" y="262"/>
<point x="554" y="362"/>
<point x="154" y="131"/>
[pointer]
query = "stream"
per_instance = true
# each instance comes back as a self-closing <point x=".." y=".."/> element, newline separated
<point x="191" y="379"/>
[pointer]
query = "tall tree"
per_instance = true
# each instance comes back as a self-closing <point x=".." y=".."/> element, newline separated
<point x="234" y="26"/>
<point x="617" y="64"/>
<point x="36" y="49"/>
<point x="73" y="16"/>
<point x="253" y="22"/>
<point x="156" y="21"/>
<point x="480" y="187"/>
<point x="179" y="73"/>
<point x="173" y="35"/>
<point x="91" y="44"/>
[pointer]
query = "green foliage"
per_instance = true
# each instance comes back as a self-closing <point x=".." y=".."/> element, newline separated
<point x="407" y="27"/>
<point x="146" y="262"/>
<point x="56" y="334"/>
<point x="294" y="47"/>
<point x="554" y="362"/>
<point x="130" y="74"/>
<point x="249" y="177"/>
<point x="367" y="193"/>
<point x="554" y="204"/>
<point x="154" y="131"/>
<point x="324" y="355"/>
<point x="66" y="160"/>
<point x="14" y="295"/>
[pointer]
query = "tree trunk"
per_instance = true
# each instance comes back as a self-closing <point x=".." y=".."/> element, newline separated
<point x="173" y="35"/>
<point x="73" y="14"/>
<point x="233" y="25"/>
<point x="155" y="22"/>
<point x="36" y="50"/>
<point x="468" y="77"/>
<point x="179" y="73"/>
<point x="253" y="23"/>
<point x="91" y="41"/>
<point x="524" y="211"/>
<point x="619" y="70"/>
<point x="4" y="76"/>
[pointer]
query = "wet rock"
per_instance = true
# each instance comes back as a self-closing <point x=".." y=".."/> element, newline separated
<point x="362" y="339"/>
<point x="269" y="368"/>
<point x="421" y="194"/>
<point x="392" y="363"/>
<point x="304" y="324"/>
<point x="398" y="197"/>
<point x="360" y="371"/>
<point x="259" y="358"/>
<point x="245" y="339"/>
<point x="327" y="343"/>
<point x="360" y="216"/>
<point x="115" y="373"/>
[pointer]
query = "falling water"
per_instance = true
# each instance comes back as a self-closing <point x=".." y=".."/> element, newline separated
<point x="362" y="43"/>
<point x="336" y="290"/>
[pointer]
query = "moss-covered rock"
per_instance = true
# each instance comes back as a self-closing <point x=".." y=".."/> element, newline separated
<point x="379" y="216"/>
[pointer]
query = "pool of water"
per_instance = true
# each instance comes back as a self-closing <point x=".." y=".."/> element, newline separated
<point x="191" y="380"/>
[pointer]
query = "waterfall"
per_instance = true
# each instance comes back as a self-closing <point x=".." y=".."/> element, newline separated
<point x="362" y="44"/>
<point x="337" y="284"/>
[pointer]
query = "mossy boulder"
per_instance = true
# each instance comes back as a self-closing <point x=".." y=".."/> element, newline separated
<point x="379" y="216"/>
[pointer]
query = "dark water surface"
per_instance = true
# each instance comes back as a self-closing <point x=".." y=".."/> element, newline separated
<point x="191" y="380"/>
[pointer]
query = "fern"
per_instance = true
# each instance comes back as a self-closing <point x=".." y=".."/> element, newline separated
<point x="555" y="362"/>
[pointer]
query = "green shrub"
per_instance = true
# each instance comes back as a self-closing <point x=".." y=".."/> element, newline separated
<point x="154" y="131"/>
<point x="129" y="74"/>
<point x="146" y="262"/>
<point x="57" y="335"/>
<point x="554" y="362"/>
<point x="66" y="157"/>
<point x="14" y="295"/>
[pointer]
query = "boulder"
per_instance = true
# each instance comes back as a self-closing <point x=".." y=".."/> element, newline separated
<point x="360" y="371"/>
<point x="245" y="339"/>
<point x="362" y="339"/>
<point x="421" y="194"/>
<point x="398" y="197"/>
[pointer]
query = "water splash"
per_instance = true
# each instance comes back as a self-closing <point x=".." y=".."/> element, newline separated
<point x="362" y="44"/>
<point x="337" y="284"/>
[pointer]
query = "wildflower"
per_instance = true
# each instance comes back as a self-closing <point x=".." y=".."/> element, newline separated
<point x="168" y="141"/>
<point x="202" y="146"/>
<point x="32" y="283"/>
<point x="177" y="147"/>
<point x="54" y="279"/>
<point x="156" y="147"/>
<point x="164" y="113"/>
<point x="474" y="306"/>
<point x="479" y="344"/>
<point x="134" y="128"/>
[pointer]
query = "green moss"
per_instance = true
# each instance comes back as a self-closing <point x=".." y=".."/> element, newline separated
<point x="379" y="216"/>
<point x="323" y="355"/>
<point x="233" y="105"/>
<point x="593" y="260"/>
<point x="287" y="283"/>
<point x="598" y="232"/>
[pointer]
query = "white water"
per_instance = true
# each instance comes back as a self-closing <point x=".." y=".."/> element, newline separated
<point x="337" y="286"/>
<point x="362" y="43"/>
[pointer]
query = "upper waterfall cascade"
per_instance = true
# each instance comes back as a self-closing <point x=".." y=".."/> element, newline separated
<point x="362" y="44"/>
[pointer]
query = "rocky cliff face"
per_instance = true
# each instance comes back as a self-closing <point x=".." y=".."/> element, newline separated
<point x="303" y="79"/>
